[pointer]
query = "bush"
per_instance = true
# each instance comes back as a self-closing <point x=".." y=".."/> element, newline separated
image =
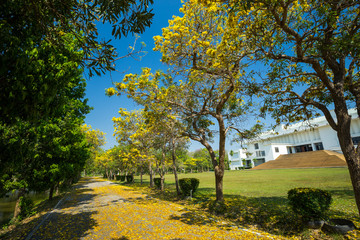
<point x="310" y="203"/>
<point x="188" y="184"/>
<point x="26" y="207"/>
<point x="122" y="178"/>
<point x="129" y="178"/>
<point x="118" y="177"/>
<point x="157" y="182"/>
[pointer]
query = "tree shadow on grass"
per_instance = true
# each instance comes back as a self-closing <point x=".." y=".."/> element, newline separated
<point x="342" y="193"/>
<point x="270" y="214"/>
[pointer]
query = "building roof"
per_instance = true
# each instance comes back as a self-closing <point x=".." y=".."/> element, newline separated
<point x="300" y="126"/>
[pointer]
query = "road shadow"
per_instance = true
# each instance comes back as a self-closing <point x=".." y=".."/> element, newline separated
<point x="71" y="219"/>
<point x="66" y="226"/>
<point x="77" y="198"/>
<point x="57" y="226"/>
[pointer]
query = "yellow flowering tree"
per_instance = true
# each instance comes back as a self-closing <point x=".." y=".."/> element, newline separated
<point x="168" y="137"/>
<point x="96" y="139"/>
<point x="202" y="49"/>
<point x="130" y="130"/>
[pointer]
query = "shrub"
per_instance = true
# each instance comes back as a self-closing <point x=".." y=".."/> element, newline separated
<point x="26" y="207"/>
<point x="122" y="178"/>
<point x="129" y="178"/>
<point x="188" y="184"/>
<point x="157" y="182"/>
<point x="310" y="203"/>
<point x="118" y="177"/>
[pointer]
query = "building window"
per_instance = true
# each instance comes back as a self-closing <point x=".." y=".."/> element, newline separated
<point x="256" y="145"/>
<point x="258" y="161"/>
<point x="260" y="153"/>
<point x="356" y="140"/>
<point x="276" y="149"/>
<point x="319" y="146"/>
<point x="303" y="148"/>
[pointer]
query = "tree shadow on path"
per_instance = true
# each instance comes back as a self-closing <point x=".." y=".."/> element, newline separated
<point x="72" y="218"/>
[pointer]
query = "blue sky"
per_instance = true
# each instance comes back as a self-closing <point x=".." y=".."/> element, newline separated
<point x="105" y="108"/>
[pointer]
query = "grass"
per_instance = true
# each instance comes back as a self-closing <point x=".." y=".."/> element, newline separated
<point x="258" y="198"/>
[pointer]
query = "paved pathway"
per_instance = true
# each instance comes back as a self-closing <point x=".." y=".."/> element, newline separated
<point x="100" y="209"/>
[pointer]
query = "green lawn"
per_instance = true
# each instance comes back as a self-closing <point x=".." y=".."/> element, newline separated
<point x="276" y="182"/>
<point x="258" y="198"/>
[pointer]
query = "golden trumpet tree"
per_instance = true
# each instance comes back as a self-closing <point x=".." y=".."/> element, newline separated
<point x="96" y="139"/>
<point x="168" y="131"/>
<point x="205" y="53"/>
<point x="131" y="129"/>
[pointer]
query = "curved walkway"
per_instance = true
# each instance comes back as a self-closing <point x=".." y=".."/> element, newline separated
<point x="99" y="209"/>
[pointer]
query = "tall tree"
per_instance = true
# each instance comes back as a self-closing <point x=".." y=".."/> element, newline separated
<point x="30" y="29"/>
<point x="311" y="49"/>
<point x="201" y="48"/>
<point x="52" y="145"/>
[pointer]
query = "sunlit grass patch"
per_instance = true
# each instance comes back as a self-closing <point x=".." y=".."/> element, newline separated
<point x="258" y="199"/>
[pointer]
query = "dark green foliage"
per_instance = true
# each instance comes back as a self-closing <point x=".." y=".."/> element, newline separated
<point x="188" y="184"/>
<point x="310" y="203"/>
<point x="26" y="207"/>
<point x="50" y="150"/>
<point x="129" y="178"/>
<point x="217" y="208"/>
<point x="29" y="22"/>
<point x="122" y="178"/>
<point x="157" y="182"/>
<point x="118" y="177"/>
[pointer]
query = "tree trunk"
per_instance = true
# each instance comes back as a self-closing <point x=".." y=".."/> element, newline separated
<point x="219" y="174"/>
<point x="141" y="175"/>
<point x="174" y="168"/>
<point x="353" y="160"/>
<point x="17" y="205"/>
<point x="351" y="155"/>
<point x="57" y="190"/>
<point x="176" y="181"/>
<point x="51" y="192"/>
<point x="219" y="171"/>
<point x="151" y="175"/>
<point x="162" y="169"/>
<point x="162" y="185"/>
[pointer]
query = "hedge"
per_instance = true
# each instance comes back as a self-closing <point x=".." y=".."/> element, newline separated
<point x="188" y="184"/>
<point x="310" y="203"/>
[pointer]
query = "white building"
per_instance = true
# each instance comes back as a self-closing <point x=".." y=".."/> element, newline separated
<point x="313" y="135"/>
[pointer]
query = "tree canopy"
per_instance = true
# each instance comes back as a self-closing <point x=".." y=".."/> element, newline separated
<point x="311" y="53"/>
<point x="202" y="50"/>
<point x="42" y="151"/>
<point x="37" y="39"/>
